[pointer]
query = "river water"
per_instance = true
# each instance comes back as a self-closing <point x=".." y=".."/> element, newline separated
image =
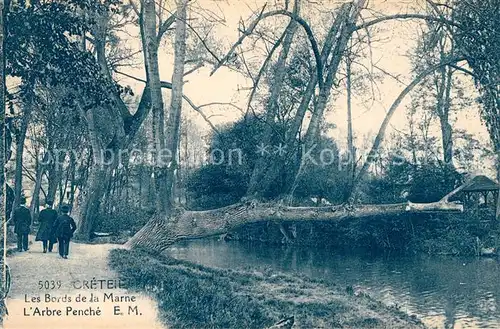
<point x="444" y="292"/>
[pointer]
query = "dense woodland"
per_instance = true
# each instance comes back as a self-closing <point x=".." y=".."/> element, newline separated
<point x="72" y="105"/>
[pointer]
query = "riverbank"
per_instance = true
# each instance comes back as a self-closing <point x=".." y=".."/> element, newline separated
<point x="195" y="296"/>
<point x="467" y="234"/>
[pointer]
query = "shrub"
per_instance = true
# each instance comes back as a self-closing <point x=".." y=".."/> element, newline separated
<point x="124" y="218"/>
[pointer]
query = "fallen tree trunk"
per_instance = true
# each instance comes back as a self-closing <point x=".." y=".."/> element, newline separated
<point x="162" y="231"/>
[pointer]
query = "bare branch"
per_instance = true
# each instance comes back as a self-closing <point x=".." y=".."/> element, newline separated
<point x="222" y="103"/>
<point x="262" y="15"/>
<point x="134" y="7"/>
<point x="196" y="67"/>
<point x="262" y="70"/>
<point x="440" y="14"/>
<point x="464" y="70"/>
<point x="168" y="85"/>
<point x="203" y="42"/>
<point x="165" y="26"/>
<point x="405" y="16"/>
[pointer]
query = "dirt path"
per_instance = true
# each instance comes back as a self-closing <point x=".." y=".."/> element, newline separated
<point x="86" y="262"/>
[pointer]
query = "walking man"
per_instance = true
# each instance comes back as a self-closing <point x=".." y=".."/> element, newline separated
<point x="22" y="224"/>
<point x="45" y="233"/>
<point x="64" y="227"/>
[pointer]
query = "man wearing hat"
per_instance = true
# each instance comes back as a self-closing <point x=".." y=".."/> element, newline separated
<point x="45" y="233"/>
<point x="64" y="227"/>
<point x="22" y="223"/>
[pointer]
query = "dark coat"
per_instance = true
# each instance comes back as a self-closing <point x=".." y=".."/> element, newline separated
<point x="22" y="220"/>
<point x="47" y="219"/>
<point x="64" y="226"/>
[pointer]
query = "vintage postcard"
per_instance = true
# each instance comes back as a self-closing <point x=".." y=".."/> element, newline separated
<point x="220" y="164"/>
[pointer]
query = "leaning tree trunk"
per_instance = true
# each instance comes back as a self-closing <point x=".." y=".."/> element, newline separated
<point x="160" y="232"/>
<point x="166" y="228"/>
<point x="346" y="18"/>
<point x="336" y="41"/>
<point x="385" y="123"/>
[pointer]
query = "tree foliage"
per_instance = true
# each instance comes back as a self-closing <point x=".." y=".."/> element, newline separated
<point x="43" y="45"/>
<point x="234" y="153"/>
<point x="478" y="40"/>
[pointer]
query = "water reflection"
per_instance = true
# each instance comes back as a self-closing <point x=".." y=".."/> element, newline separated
<point x="445" y="292"/>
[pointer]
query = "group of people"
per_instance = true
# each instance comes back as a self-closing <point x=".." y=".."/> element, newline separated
<point x="54" y="228"/>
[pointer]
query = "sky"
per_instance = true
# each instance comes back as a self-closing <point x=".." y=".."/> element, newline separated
<point x="391" y="43"/>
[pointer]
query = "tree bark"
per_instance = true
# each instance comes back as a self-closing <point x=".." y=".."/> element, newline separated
<point x="3" y="159"/>
<point x="346" y="18"/>
<point x="89" y="198"/>
<point x="498" y="179"/>
<point x="53" y="178"/>
<point x="443" y="109"/>
<point x="174" y="118"/>
<point x="350" y="138"/>
<point x="148" y="27"/>
<point x="72" y="177"/>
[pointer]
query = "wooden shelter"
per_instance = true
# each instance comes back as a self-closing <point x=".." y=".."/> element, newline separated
<point x="478" y="191"/>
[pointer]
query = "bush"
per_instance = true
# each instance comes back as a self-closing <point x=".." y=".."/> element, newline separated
<point x="421" y="184"/>
<point x="124" y="218"/>
<point x="217" y="185"/>
<point x="432" y="182"/>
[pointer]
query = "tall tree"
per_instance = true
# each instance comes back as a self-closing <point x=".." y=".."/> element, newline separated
<point x="478" y="40"/>
<point x="151" y="44"/>
<point x="437" y="45"/>
<point x="174" y="117"/>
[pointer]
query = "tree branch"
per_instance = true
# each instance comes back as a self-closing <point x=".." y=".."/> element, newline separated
<point x="168" y="85"/>
<point x="196" y="67"/>
<point x="203" y="42"/>
<point x="262" y="15"/>
<point x="262" y="70"/>
<point x="165" y="26"/>
<point x="464" y="70"/>
<point x="405" y="16"/>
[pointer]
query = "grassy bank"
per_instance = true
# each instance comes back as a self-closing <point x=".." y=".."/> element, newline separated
<point x="194" y="296"/>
